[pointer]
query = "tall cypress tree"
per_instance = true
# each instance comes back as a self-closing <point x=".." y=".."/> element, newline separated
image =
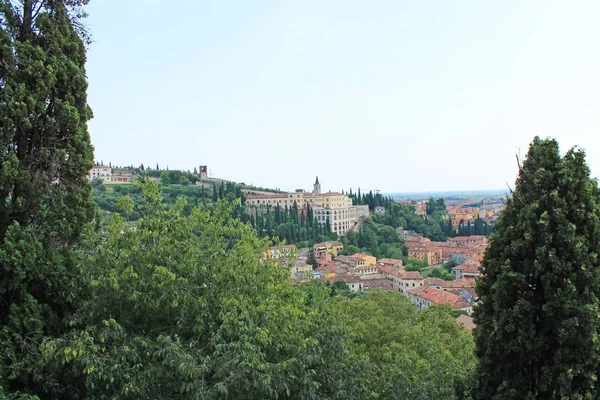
<point x="538" y="321"/>
<point x="45" y="157"/>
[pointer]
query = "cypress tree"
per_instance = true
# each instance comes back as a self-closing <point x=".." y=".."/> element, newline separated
<point x="222" y="190"/>
<point x="45" y="199"/>
<point x="538" y="321"/>
<point x="215" y="193"/>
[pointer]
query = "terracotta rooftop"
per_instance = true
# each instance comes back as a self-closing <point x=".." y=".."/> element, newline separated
<point x="389" y="270"/>
<point x="358" y="256"/>
<point x="391" y="261"/>
<point x="344" y="259"/>
<point x="438" y="296"/>
<point x="411" y="275"/>
<point x="345" y="277"/>
<point x="467" y="267"/>
<point x="433" y="282"/>
<point x="459" y="283"/>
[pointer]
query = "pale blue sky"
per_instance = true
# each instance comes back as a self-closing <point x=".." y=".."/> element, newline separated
<point x="390" y="95"/>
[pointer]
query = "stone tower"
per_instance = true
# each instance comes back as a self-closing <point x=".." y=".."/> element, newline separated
<point x="317" y="188"/>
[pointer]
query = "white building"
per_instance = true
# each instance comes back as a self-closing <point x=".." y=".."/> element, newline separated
<point x="101" y="172"/>
<point x="332" y="207"/>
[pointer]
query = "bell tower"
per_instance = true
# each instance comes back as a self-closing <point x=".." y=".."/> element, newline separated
<point x="317" y="187"/>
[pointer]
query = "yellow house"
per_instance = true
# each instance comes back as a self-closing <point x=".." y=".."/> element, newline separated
<point x="300" y="270"/>
<point x="361" y="260"/>
<point x="332" y="248"/>
<point x="433" y="256"/>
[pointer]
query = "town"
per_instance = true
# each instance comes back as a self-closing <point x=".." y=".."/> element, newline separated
<point x="359" y="272"/>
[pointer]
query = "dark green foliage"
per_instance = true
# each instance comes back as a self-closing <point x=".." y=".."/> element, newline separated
<point x="45" y="156"/>
<point x="311" y="259"/>
<point x="183" y="307"/>
<point x="292" y="225"/>
<point x="538" y="322"/>
<point x="441" y="273"/>
<point x="174" y="178"/>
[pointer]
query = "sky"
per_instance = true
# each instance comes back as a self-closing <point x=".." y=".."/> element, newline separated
<point x="397" y="96"/>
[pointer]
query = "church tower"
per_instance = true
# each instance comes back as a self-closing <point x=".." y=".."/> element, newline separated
<point x="317" y="189"/>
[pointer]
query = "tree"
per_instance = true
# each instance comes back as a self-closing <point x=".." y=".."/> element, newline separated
<point x="46" y="155"/>
<point x="538" y="321"/>
<point x="311" y="259"/>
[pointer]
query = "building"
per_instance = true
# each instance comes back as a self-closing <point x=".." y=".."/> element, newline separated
<point x="450" y="286"/>
<point x="425" y="296"/>
<point x="458" y="215"/>
<point x="405" y="234"/>
<point x="470" y="269"/>
<point x="355" y="284"/>
<point x="101" y="172"/>
<point x="332" y="208"/>
<point x="301" y="270"/>
<point x="363" y="270"/>
<point x="203" y="171"/>
<point x="390" y="262"/>
<point x="122" y="175"/>
<point x="401" y="280"/>
<point x="332" y="248"/>
<point x="380" y="210"/>
<point x="281" y="251"/>
<point x="431" y="254"/>
<point x="361" y="260"/>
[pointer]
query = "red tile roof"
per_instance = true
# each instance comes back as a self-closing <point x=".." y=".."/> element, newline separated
<point x="439" y="297"/>
<point x="390" y="261"/>
<point x="470" y="268"/>
<point x="411" y="275"/>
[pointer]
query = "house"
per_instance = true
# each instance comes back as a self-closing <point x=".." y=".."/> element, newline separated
<point x="376" y="281"/>
<point x="401" y="280"/>
<point x="466" y="322"/>
<point x="425" y="296"/>
<point x="390" y="262"/>
<point x="301" y="270"/>
<point x="434" y="283"/>
<point x="281" y="251"/>
<point x="329" y="272"/>
<point x="470" y="269"/>
<point x="101" y="172"/>
<point x="354" y="283"/>
<point x="122" y="175"/>
<point x="360" y="259"/>
<point x="332" y="248"/>
<point x="469" y="294"/>
<point x="379" y="210"/>
<point x="363" y="270"/>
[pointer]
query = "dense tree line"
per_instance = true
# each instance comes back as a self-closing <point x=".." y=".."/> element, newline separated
<point x="369" y="199"/>
<point x="294" y="225"/>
